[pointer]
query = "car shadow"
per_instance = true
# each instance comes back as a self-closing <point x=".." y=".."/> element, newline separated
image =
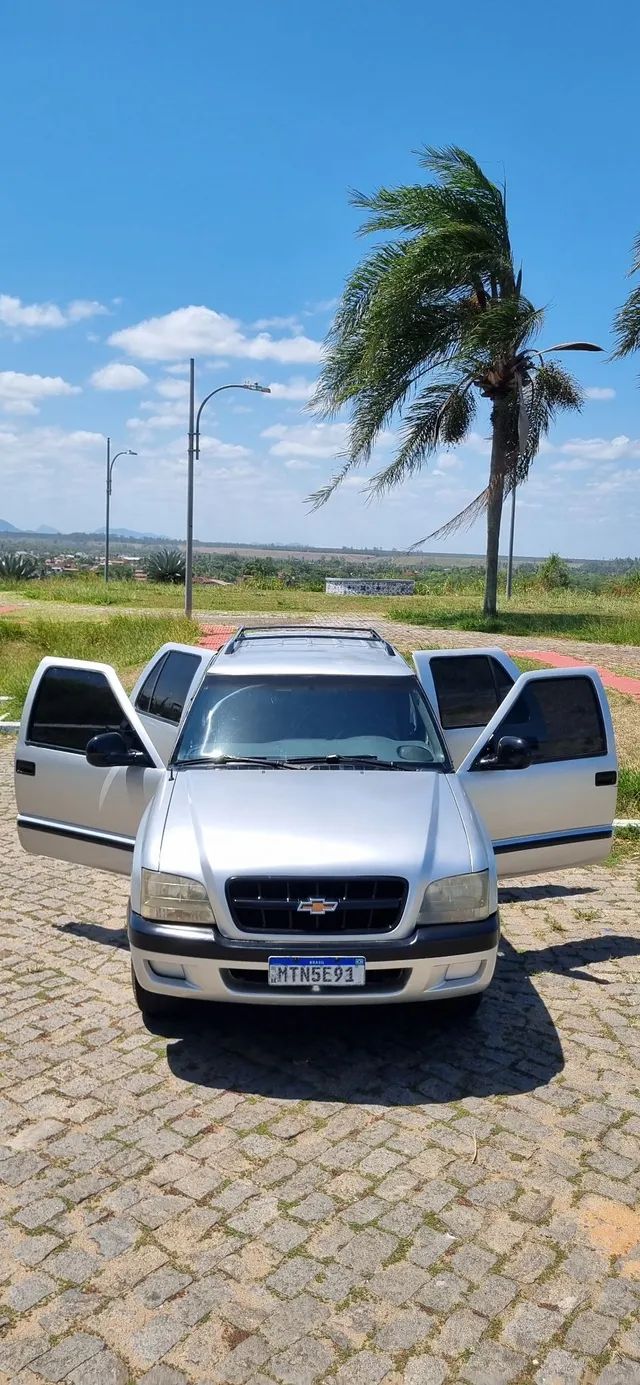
<point x="528" y="894"/>
<point x="405" y="1055"/>
<point x="389" y="1055"/>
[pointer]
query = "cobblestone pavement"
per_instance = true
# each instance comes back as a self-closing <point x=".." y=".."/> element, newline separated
<point x="256" y="1197"/>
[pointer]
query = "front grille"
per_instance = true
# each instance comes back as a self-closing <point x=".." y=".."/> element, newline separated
<point x="366" y="904"/>
<point x="382" y="981"/>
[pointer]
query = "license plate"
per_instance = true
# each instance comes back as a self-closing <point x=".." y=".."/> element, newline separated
<point x="316" y="971"/>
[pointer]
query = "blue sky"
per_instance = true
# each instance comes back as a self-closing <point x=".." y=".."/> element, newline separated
<point x="175" y="180"/>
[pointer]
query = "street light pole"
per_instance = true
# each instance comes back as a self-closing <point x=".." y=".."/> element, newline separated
<point x="512" y="529"/>
<point x="126" y="452"/>
<point x="193" y="452"/>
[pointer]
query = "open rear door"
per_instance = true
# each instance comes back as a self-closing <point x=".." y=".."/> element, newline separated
<point x="465" y="688"/>
<point x="558" y="811"/>
<point x="68" y="808"/>
<point x="165" y="688"/>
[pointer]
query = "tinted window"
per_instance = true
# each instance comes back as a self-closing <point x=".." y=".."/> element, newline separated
<point x="143" y="700"/>
<point x="469" y="689"/>
<point x="170" y="692"/>
<point x="560" y="718"/>
<point x="292" y="715"/>
<point x="71" y="706"/>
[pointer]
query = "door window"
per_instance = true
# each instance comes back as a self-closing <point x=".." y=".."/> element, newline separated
<point x="169" y="694"/>
<point x="559" y="718"/>
<point x="72" y="705"/>
<point x="143" y="700"/>
<point x="469" y="689"/>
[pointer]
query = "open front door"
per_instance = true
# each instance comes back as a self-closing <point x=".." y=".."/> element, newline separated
<point x="68" y="808"/>
<point x="558" y="810"/>
<point x="465" y="688"/>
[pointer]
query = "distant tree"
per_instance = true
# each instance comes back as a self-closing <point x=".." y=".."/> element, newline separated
<point x="626" y="323"/>
<point x="166" y="565"/>
<point x="553" y="573"/>
<point x="428" y="322"/>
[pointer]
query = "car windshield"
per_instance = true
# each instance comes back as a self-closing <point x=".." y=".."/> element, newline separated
<point x="312" y="720"/>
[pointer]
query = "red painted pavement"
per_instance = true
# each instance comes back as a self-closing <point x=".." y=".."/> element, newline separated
<point x="6" y="610"/>
<point x="618" y="681"/>
<point x="214" y="636"/>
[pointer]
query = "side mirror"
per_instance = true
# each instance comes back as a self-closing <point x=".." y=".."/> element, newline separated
<point x="110" y="749"/>
<point x="512" y="752"/>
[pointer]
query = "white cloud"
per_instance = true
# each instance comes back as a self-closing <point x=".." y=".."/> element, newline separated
<point x="214" y="447"/>
<point x="19" y="316"/>
<point x="82" y="308"/>
<point x="297" y="388"/>
<point x="199" y="331"/>
<point x="171" y="389"/>
<point x="600" y="392"/>
<point x="119" y="376"/>
<point x="307" y="439"/>
<point x="603" y="449"/>
<point x="299" y="464"/>
<point x="287" y="324"/>
<point x="21" y="394"/>
<point x="574" y="464"/>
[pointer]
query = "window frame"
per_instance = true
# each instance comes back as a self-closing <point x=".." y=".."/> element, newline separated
<point x="498" y="731"/>
<point x="457" y="659"/>
<point x="162" y="664"/>
<point x="73" y="670"/>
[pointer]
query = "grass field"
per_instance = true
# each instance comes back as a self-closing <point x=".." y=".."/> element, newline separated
<point x="127" y="642"/>
<point x="570" y="614"/>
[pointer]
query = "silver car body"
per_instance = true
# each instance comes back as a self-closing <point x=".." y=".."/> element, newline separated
<point x="219" y="825"/>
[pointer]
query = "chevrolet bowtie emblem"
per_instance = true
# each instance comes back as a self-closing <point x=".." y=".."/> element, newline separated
<point x="317" y="906"/>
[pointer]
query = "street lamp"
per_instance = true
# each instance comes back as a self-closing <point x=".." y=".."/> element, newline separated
<point x="126" y="452"/>
<point x="192" y="453"/>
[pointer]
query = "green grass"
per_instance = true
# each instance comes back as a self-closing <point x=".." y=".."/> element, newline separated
<point x="126" y="642"/>
<point x="628" y="792"/>
<point x="601" y="619"/>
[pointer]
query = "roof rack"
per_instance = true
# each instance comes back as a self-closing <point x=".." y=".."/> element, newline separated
<point x="305" y="632"/>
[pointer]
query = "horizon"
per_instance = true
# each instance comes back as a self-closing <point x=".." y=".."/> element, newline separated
<point x="102" y="303"/>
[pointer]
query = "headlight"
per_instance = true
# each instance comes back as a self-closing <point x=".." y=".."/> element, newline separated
<point x="456" y="899"/>
<point x="174" y="899"/>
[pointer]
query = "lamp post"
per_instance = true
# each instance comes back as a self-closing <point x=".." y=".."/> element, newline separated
<point x="126" y="452"/>
<point x="193" y="452"/>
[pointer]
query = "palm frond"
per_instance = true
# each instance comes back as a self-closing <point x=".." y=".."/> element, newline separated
<point x="463" y="520"/>
<point x="626" y="326"/>
<point x="440" y="416"/>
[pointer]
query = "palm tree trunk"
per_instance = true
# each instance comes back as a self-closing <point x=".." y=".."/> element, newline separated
<point x="499" y="463"/>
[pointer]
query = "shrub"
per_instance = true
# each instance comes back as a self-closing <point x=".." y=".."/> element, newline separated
<point x="553" y="574"/>
<point x="19" y="567"/>
<point x="166" y="565"/>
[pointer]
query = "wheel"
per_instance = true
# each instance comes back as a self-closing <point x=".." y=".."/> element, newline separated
<point x="152" y="1006"/>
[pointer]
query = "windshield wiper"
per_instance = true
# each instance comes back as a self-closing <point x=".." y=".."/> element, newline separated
<point x="213" y="761"/>
<point x="357" y="761"/>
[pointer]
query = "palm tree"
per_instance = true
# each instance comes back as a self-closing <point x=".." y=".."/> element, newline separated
<point x="429" y="321"/>
<point x="626" y="323"/>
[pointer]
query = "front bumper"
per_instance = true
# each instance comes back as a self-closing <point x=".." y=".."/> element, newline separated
<point x="432" y="963"/>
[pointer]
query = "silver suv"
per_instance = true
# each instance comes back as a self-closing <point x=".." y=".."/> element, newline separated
<point x="308" y="819"/>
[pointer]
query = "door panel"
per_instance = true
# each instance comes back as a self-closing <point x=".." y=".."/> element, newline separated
<point x="67" y="808"/>
<point x="559" y="811"/>
<point x="165" y="687"/>
<point x="465" y="688"/>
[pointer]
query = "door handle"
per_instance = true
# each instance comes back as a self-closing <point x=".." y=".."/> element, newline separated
<point x="26" y="767"/>
<point x="605" y="776"/>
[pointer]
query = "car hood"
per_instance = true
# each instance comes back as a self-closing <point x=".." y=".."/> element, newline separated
<point x="227" y="822"/>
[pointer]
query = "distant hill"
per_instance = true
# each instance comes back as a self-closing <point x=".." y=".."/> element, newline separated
<point x="45" y="529"/>
<point x="127" y="534"/>
<point x="7" y="528"/>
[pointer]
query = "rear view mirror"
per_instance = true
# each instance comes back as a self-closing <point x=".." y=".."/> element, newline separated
<point x="110" y="749"/>
<point x="512" y="752"/>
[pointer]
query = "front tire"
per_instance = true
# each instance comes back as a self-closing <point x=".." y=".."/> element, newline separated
<point x="151" y="1005"/>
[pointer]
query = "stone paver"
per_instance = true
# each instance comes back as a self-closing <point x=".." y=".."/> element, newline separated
<point x="266" y="1197"/>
